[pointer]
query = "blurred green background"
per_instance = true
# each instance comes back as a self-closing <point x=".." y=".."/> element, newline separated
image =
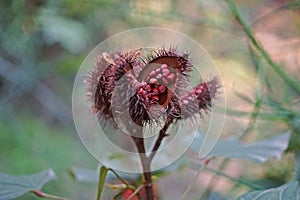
<point x="43" y="43"/>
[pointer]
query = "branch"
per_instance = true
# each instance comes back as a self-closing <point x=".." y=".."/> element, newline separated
<point x="146" y="160"/>
<point x="162" y="134"/>
<point x="146" y="169"/>
<point x="47" y="196"/>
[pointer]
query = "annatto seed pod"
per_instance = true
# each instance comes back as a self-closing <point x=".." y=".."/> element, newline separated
<point x="101" y="80"/>
<point x="160" y="76"/>
<point x="139" y="84"/>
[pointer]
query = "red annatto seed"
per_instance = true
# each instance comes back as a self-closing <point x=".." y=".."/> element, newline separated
<point x="148" y="88"/>
<point x="155" y="97"/>
<point x="153" y="81"/>
<point x="143" y="83"/>
<point x="163" y="66"/>
<point x="171" y="77"/>
<point x="162" y="89"/>
<point x="165" y="72"/>
<point x="152" y="74"/>
<point x="165" y="81"/>
<point x="155" y="91"/>
<point x="159" y="76"/>
<point x="141" y="91"/>
<point x="198" y="91"/>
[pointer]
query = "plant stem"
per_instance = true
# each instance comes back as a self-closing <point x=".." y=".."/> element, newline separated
<point x="47" y="196"/>
<point x="146" y="169"/>
<point x="146" y="160"/>
<point x="135" y="192"/>
<point x="162" y="134"/>
<point x="278" y="69"/>
<point x="121" y="179"/>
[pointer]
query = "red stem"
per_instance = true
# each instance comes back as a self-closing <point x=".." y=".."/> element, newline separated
<point x="162" y="134"/>
<point x="146" y="175"/>
<point x="146" y="161"/>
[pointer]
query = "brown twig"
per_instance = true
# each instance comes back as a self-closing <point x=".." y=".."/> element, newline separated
<point x="146" y="174"/>
<point x="146" y="160"/>
<point x="162" y="134"/>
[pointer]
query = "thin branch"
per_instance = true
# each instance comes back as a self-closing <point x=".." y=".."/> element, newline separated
<point x="253" y="118"/>
<point x="146" y="169"/>
<point x="162" y="134"/>
<point x="47" y="196"/>
<point x="272" y="12"/>
<point x="121" y="179"/>
<point x="135" y="192"/>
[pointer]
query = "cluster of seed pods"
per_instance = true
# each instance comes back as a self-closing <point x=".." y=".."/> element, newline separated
<point x="162" y="79"/>
<point x="156" y="86"/>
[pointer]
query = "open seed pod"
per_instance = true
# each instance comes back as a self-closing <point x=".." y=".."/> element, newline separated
<point x="158" y="79"/>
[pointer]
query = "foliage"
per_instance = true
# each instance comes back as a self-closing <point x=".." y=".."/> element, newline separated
<point x="286" y="191"/>
<point x="258" y="152"/>
<point x="14" y="186"/>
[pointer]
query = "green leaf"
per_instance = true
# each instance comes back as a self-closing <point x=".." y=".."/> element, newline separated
<point x="267" y="183"/>
<point x="258" y="152"/>
<point x="287" y="191"/>
<point x="84" y="175"/>
<point x="102" y="176"/>
<point x="14" y="186"/>
<point x="215" y="196"/>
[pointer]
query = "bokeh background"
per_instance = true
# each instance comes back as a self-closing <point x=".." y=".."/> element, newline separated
<point x="43" y="42"/>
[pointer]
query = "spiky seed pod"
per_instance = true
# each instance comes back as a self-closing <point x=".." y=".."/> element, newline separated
<point x="170" y="57"/>
<point x="160" y="75"/>
<point x="101" y="80"/>
<point x="160" y="80"/>
<point x="199" y="98"/>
